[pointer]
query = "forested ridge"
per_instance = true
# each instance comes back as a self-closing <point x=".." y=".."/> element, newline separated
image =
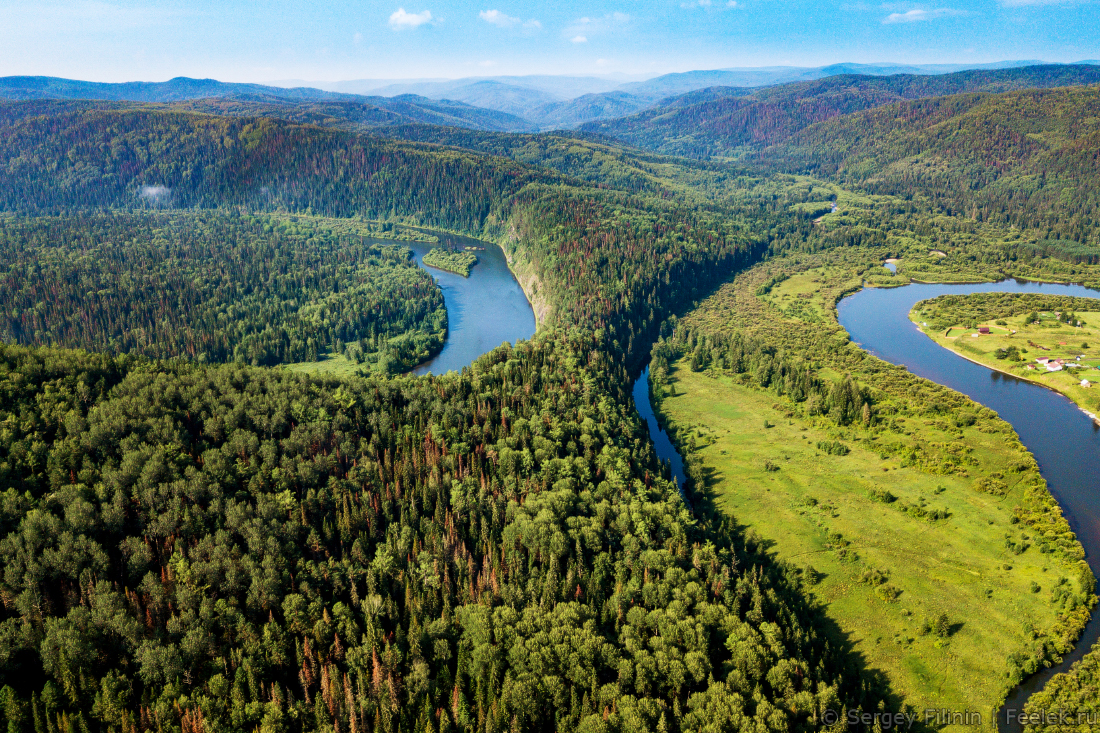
<point x="199" y="547"/>
<point x="196" y="547"/>
<point x="221" y="547"/>
<point x="214" y="288"/>
<point x="1020" y="158"/>
<point x="733" y="121"/>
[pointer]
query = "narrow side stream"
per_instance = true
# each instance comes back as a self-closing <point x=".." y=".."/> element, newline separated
<point x="666" y="451"/>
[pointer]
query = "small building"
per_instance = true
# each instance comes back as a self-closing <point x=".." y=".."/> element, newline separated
<point x="1086" y="383"/>
<point x="983" y="329"/>
<point x="1054" y="367"/>
<point x="1042" y="360"/>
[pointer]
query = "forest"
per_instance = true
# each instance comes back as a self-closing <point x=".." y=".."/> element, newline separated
<point x="728" y="122"/>
<point x="193" y="542"/>
<point x="456" y="261"/>
<point x="215" y="288"/>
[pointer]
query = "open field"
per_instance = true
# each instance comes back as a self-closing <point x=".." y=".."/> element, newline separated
<point x="884" y="571"/>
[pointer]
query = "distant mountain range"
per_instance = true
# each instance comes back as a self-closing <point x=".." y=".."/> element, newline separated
<point x="727" y="121"/>
<point x="499" y="104"/>
<point x="551" y="102"/>
<point x="369" y="111"/>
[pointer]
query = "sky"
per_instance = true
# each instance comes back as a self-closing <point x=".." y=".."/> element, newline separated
<point x="332" y="40"/>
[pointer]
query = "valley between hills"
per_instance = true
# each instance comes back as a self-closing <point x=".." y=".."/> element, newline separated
<point x="229" y="500"/>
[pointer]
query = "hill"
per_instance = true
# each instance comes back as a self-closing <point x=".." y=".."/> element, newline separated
<point x="1026" y="158"/>
<point x="727" y="122"/>
<point x="226" y="547"/>
<point x="372" y="111"/>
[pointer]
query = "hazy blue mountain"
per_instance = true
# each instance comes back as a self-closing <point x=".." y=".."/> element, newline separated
<point x="587" y="108"/>
<point x="180" y="88"/>
<point x="300" y="104"/>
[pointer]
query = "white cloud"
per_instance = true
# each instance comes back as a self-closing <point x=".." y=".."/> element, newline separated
<point x="401" y="20"/>
<point x="498" y="18"/>
<point x="583" y="28"/>
<point x="1031" y="3"/>
<point x="917" y="15"/>
<point x="502" y="20"/>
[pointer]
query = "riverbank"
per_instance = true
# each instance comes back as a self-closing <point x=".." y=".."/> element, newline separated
<point x="763" y="458"/>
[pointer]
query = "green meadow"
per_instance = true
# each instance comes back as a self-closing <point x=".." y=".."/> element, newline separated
<point x="853" y="524"/>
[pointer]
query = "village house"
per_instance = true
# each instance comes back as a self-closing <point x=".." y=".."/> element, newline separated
<point x="1086" y="383"/>
<point x="983" y="329"/>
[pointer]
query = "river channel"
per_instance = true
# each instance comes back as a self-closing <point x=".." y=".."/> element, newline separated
<point x="483" y="310"/>
<point x="1064" y="441"/>
<point x="489" y="308"/>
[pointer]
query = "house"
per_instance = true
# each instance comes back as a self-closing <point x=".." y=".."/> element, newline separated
<point x="1054" y="366"/>
<point x="1085" y="383"/>
<point x="983" y="329"/>
<point x="1042" y="360"/>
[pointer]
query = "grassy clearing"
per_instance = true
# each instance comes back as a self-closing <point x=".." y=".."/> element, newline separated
<point x="883" y="571"/>
<point x="1014" y="347"/>
<point x="330" y="365"/>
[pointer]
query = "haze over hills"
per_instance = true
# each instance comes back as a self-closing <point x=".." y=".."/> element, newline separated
<point x="567" y="101"/>
<point x="503" y="104"/>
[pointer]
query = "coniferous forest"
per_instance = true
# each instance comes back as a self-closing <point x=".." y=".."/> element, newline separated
<point x="195" y="539"/>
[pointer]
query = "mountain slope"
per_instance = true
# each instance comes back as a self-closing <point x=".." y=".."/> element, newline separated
<point x="1028" y="158"/>
<point x="735" y="120"/>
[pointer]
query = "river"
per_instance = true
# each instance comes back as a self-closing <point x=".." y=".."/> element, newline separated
<point x="1064" y="441"/>
<point x="489" y="308"/>
<point x="483" y="310"/>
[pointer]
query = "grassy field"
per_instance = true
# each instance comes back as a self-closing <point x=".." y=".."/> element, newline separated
<point x="886" y="573"/>
<point x="1046" y="339"/>
<point x="927" y="531"/>
<point x="330" y="365"/>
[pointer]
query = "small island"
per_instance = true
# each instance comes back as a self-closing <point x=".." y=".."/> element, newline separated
<point x="1050" y="340"/>
<point x="459" y="261"/>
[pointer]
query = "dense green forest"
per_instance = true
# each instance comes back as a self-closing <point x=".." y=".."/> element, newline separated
<point x="215" y="288"/>
<point x="234" y="547"/>
<point x="224" y="547"/>
<point x="1024" y="159"/>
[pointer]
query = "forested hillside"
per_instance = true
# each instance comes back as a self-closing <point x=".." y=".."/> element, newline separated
<point x="737" y="120"/>
<point x="194" y="547"/>
<point x="1027" y="158"/>
<point x="204" y="547"/>
<point x="300" y="104"/>
<point x="217" y="288"/>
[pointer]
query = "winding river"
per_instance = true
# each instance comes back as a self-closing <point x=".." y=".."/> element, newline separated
<point x="483" y="310"/>
<point x="1064" y="441"/>
<point x="489" y="308"/>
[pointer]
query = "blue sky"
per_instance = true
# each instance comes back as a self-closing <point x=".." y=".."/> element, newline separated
<point x="329" y="40"/>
